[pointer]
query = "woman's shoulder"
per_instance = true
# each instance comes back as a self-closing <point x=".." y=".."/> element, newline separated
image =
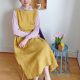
<point x="15" y="9"/>
<point x="36" y="11"/>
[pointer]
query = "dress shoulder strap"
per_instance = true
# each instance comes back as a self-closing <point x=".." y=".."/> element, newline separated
<point x="16" y="9"/>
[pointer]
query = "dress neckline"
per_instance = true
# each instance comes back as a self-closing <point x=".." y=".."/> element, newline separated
<point x="25" y="9"/>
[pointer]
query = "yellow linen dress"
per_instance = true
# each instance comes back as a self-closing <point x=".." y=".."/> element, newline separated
<point x="36" y="54"/>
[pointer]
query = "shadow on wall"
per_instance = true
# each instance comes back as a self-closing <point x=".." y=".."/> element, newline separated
<point x="75" y="25"/>
<point x="48" y="36"/>
<point x="6" y="30"/>
<point x="72" y="21"/>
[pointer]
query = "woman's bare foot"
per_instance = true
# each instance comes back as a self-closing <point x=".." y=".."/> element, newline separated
<point x="47" y="78"/>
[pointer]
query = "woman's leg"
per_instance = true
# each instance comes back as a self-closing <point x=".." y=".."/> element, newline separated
<point x="36" y="78"/>
<point x="46" y="73"/>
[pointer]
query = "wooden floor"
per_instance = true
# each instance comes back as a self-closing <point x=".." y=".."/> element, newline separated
<point x="9" y="69"/>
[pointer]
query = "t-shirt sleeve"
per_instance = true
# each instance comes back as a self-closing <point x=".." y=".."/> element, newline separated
<point x="15" y="26"/>
<point x="35" y="32"/>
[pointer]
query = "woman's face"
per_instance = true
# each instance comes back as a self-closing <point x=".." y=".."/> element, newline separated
<point x="25" y="2"/>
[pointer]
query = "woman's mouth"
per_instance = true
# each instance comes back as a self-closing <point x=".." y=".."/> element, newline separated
<point x="26" y="3"/>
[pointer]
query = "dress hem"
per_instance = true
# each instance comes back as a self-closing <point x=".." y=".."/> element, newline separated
<point x="41" y="71"/>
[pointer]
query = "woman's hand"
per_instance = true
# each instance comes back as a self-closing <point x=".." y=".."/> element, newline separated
<point x="23" y="43"/>
<point x="38" y="36"/>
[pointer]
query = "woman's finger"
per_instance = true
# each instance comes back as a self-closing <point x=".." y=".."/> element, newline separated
<point x="23" y="46"/>
<point x="20" y="45"/>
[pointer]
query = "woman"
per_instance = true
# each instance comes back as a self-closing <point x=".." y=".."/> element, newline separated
<point x="32" y="53"/>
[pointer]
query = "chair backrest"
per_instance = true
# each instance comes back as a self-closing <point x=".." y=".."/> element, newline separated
<point x="41" y="34"/>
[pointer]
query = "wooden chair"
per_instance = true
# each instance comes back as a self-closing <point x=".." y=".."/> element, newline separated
<point x="41" y="35"/>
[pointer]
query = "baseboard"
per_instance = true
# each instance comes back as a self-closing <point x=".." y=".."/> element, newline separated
<point x="11" y="49"/>
<point x="70" y="54"/>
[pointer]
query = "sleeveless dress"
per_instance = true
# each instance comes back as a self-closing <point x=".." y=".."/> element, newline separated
<point x="36" y="54"/>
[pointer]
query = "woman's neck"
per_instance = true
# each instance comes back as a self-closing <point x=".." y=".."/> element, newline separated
<point x="27" y="6"/>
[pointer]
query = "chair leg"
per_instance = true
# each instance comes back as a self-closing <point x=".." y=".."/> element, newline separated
<point x="22" y="75"/>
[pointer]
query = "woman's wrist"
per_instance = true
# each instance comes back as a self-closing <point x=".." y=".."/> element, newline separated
<point x="27" y="38"/>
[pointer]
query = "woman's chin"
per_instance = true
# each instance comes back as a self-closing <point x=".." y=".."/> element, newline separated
<point x="25" y="5"/>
